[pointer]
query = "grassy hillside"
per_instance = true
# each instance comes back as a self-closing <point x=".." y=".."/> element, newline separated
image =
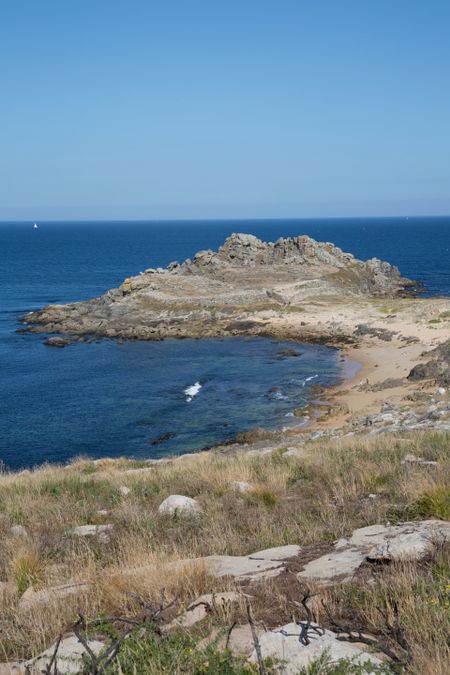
<point x="312" y="500"/>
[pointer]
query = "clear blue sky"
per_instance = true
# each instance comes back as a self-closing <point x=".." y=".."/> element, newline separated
<point x="197" y="109"/>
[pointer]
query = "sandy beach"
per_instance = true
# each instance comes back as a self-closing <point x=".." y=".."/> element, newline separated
<point x="388" y="338"/>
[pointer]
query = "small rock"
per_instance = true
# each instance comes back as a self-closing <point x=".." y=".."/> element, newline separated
<point x="241" y="486"/>
<point x="179" y="505"/>
<point x="189" y="618"/>
<point x="441" y="391"/>
<point x="99" y="531"/>
<point x="412" y="459"/>
<point x="286" y="353"/>
<point x="294" y="452"/>
<point x="19" y="531"/>
<point x="56" y="342"/>
<point x="162" y="439"/>
<point x="124" y="490"/>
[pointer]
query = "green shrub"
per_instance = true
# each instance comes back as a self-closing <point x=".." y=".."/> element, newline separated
<point x="435" y="503"/>
<point x="177" y="653"/>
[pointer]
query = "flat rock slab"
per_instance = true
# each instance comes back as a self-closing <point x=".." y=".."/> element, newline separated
<point x="411" y="540"/>
<point x="260" y="565"/>
<point x="283" y="644"/>
<point x="277" y="553"/>
<point x="46" y="596"/>
<point x="240" y="642"/>
<point x="219" y="600"/>
<point x="202" y="606"/>
<point x="243" y="567"/>
<point x="69" y="659"/>
<point x="377" y="543"/>
<point x="12" y="668"/>
<point x="334" y="567"/>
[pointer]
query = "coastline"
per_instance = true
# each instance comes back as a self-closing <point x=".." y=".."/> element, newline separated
<point x="295" y="290"/>
<point x="385" y="351"/>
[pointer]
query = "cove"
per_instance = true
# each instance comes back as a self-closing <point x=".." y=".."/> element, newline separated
<point x="150" y="399"/>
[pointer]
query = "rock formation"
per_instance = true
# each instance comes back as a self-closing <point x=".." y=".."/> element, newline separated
<point x="228" y="292"/>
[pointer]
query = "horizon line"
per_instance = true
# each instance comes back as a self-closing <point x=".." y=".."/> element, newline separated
<point x="218" y="219"/>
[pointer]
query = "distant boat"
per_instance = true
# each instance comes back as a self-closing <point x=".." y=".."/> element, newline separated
<point x="35" y="226"/>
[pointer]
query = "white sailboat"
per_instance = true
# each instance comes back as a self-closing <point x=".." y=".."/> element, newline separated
<point x="35" y="227"/>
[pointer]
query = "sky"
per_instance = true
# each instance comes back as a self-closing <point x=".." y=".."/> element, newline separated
<point x="116" y="109"/>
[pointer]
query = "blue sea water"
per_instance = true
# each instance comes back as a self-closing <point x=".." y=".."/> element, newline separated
<point x="109" y="399"/>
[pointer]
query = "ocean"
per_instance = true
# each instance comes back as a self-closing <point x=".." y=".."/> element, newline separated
<point x="114" y="399"/>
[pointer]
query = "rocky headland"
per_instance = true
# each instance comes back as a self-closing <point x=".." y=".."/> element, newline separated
<point x="240" y="289"/>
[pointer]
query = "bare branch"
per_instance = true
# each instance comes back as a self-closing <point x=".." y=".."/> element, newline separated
<point x="230" y="630"/>
<point x="262" y="668"/>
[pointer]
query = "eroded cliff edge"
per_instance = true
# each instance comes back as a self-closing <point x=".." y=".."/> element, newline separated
<point x="243" y="288"/>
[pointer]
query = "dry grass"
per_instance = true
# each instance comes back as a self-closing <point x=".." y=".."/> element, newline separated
<point x="408" y="606"/>
<point x="295" y="500"/>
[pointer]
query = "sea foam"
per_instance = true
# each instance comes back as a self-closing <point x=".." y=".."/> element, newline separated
<point x="192" y="391"/>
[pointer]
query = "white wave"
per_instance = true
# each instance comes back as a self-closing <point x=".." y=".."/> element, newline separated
<point x="278" y="396"/>
<point x="192" y="391"/>
<point x="308" y="379"/>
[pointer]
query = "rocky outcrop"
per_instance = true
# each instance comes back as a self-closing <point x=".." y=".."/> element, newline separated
<point x="231" y="291"/>
<point x="377" y="544"/>
<point x="437" y="368"/>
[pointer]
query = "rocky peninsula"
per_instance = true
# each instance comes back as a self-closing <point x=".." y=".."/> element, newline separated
<point x="243" y="288"/>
